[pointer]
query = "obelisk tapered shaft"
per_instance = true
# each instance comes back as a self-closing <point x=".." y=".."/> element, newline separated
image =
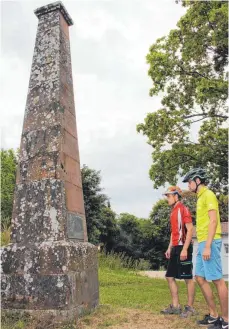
<point x="48" y="198"/>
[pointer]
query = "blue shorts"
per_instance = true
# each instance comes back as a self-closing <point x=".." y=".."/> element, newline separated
<point x="209" y="269"/>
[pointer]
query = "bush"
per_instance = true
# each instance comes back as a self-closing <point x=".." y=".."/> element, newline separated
<point x="8" y="179"/>
<point x="5" y="222"/>
<point x="5" y="236"/>
<point x="117" y="261"/>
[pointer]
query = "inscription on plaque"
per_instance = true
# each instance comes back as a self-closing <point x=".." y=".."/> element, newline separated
<point x="75" y="227"/>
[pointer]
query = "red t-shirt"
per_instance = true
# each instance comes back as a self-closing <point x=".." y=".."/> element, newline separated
<point x="180" y="215"/>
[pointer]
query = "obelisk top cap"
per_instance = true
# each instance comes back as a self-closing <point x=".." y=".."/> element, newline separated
<point x="58" y="5"/>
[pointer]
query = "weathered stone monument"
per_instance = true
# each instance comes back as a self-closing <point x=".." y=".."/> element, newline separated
<point x="50" y="266"/>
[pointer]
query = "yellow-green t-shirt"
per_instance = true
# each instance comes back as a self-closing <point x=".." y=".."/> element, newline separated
<point x="206" y="200"/>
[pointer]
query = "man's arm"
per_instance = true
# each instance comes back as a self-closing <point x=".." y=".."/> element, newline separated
<point x="170" y="242"/>
<point x="184" y="252"/>
<point x="168" y="251"/>
<point x="211" y="233"/>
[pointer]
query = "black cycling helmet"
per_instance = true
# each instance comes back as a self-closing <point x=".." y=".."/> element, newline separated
<point x="195" y="173"/>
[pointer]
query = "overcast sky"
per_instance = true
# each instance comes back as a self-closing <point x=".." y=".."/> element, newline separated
<point x="109" y="42"/>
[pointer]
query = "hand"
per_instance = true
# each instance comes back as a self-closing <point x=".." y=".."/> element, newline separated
<point x="168" y="253"/>
<point x="206" y="253"/>
<point x="183" y="254"/>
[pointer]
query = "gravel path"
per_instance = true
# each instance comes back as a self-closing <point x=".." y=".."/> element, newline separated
<point x="154" y="274"/>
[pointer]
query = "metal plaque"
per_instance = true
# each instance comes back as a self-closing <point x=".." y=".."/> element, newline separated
<point x="75" y="227"/>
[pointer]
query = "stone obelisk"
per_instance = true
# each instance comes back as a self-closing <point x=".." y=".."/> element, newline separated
<point x="49" y="266"/>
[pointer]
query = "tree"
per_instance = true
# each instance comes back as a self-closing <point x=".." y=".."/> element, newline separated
<point x="223" y="207"/>
<point x="149" y="249"/>
<point x="8" y="179"/>
<point x="108" y="228"/>
<point x="160" y="219"/>
<point x="94" y="202"/>
<point x="129" y="237"/>
<point x="189" y="199"/>
<point x="188" y="67"/>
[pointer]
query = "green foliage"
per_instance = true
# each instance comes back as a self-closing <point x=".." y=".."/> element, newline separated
<point x="117" y="261"/>
<point x="188" y="68"/>
<point x="160" y="219"/>
<point x="8" y="178"/>
<point x="223" y="207"/>
<point x="129" y="235"/>
<point x="15" y="320"/>
<point x="94" y="202"/>
<point x="108" y="228"/>
<point x="101" y="219"/>
<point x="190" y="199"/>
<point x="5" y="236"/>
<point x="6" y="221"/>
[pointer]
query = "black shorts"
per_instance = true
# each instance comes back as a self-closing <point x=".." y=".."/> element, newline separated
<point x="180" y="269"/>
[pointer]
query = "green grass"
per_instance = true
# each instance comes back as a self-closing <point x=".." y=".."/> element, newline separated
<point x="128" y="289"/>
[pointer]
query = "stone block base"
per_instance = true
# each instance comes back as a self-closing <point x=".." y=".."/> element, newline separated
<point x="52" y="276"/>
<point x="57" y="316"/>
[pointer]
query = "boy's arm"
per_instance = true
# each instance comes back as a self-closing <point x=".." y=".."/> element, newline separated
<point x="211" y="233"/>
<point x="212" y="206"/>
<point x="187" y="220"/>
<point x="184" y="252"/>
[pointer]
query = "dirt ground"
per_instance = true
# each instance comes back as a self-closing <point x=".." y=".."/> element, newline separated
<point x="135" y="319"/>
<point x="109" y="317"/>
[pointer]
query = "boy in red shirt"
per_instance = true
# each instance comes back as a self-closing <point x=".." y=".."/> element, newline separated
<point x="179" y="253"/>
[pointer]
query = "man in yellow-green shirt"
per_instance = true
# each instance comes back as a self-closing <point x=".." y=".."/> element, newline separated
<point x="208" y="259"/>
<point x="206" y="201"/>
